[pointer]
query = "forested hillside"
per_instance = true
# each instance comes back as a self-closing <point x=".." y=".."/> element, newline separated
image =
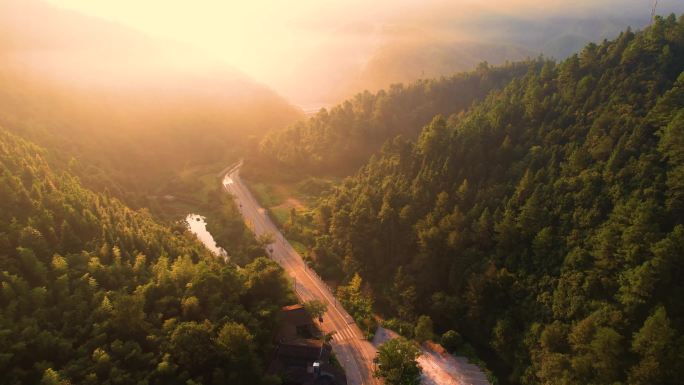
<point x="545" y="225"/>
<point x="92" y="292"/>
<point x="123" y="111"/>
<point x="405" y="61"/>
<point x="342" y="139"/>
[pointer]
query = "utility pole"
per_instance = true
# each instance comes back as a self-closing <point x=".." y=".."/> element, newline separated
<point x="653" y="10"/>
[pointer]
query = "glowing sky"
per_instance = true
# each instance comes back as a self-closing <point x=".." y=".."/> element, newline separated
<point x="266" y="39"/>
<point x="275" y="40"/>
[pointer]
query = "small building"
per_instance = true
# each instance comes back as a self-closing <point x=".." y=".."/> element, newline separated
<point x="296" y="323"/>
<point x="302" y="357"/>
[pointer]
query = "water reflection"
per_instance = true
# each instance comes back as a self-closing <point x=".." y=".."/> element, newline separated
<point x="198" y="226"/>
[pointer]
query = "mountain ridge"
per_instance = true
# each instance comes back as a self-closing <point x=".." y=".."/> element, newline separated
<point x="544" y="224"/>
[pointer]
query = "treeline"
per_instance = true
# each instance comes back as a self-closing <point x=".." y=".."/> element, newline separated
<point x="342" y="139"/>
<point x="227" y="227"/>
<point x="545" y="225"/>
<point x="92" y="292"/>
<point x="129" y="116"/>
<point x="134" y="145"/>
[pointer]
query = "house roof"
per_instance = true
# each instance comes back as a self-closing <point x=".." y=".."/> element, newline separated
<point x="296" y="315"/>
<point x="307" y="349"/>
<point x="294" y="359"/>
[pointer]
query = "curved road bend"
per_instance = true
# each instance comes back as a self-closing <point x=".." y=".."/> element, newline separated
<point x="352" y="350"/>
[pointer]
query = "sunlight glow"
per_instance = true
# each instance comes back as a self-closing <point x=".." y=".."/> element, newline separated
<point x="286" y="44"/>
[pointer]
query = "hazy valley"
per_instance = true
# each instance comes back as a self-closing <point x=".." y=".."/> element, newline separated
<point x="490" y="194"/>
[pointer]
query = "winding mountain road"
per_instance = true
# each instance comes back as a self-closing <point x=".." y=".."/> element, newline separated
<point x="353" y="351"/>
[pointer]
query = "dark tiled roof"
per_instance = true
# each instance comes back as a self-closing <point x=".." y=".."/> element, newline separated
<point x="296" y="315"/>
<point x="310" y="350"/>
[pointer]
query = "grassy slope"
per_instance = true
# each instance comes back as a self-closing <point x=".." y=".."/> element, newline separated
<point x="279" y="197"/>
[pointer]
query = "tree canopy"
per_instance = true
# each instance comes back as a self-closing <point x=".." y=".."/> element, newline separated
<point x="544" y="224"/>
<point x="92" y="292"/>
<point x="397" y="362"/>
<point x="341" y="139"/>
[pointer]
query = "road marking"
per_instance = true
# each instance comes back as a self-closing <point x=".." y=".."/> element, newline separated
<point x="344" y="334"/>
<point x="290" y="260"/>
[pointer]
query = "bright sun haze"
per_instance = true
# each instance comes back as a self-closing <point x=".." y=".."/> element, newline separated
<point x="341" y="192"/>
<point x="269" y="40"/>
<point x="298" y="46"/>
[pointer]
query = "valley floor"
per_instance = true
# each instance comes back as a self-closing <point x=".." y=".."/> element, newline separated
<point x="354" y="352"/>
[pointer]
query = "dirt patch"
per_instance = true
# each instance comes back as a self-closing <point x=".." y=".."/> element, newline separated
<point x="439" y="367"/>
<point x="296" y="203"/>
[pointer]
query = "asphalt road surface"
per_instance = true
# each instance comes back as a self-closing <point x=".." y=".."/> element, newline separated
<point x="352" y="350"/>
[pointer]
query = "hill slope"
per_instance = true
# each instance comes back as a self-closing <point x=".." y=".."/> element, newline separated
<point x="340" y="140"/>
<point x="129" y="109"/>
<point x="545" y="225"/>
<point x="92" y="292"/>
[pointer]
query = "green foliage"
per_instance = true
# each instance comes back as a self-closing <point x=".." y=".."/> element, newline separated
<point x="93" y="292"/>
<point x="50" y="377"/>
<point x="451" y="340"/>
<point x="337" y="141"/>
<point x="226" y="225"/>
<point x="359" y="305"/>
<point x="659" y="348"/>
<point x="424" y="329"/>
<point x="135" y="143"/>
<point x="315" y="308"/>
<point x="189" y="344"/>
<point x="404" y="328"/>
<point x="396" y="362"/>
<point x="545" y="224"/>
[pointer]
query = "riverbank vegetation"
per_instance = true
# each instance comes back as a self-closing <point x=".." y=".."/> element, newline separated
<point x="93" y="292"/>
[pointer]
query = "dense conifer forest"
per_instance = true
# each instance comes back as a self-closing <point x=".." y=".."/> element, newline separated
<point x="93" y="292"/>
<point x="341" y="140"/>
<point x="544" y="224"/>
<point x="529" y="215"/>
